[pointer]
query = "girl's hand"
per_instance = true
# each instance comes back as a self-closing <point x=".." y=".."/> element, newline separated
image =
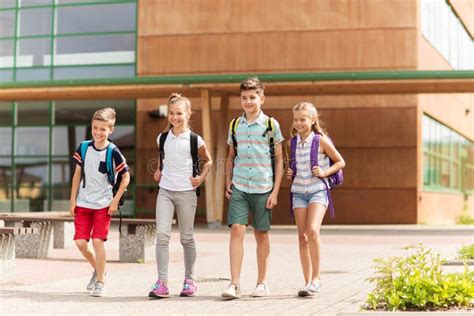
<point x="157" y="175"/>
<point x="289" y="173"/>
<point x="196" y="181"/>
<point x="318" y="172"/>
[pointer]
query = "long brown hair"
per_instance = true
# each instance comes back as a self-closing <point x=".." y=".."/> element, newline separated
<point x="318" y="127"/>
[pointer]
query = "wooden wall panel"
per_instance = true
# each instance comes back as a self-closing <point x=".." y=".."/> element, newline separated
<point x="440" y="208"/>
<point x="171" y="17"/>
<point x="279" y="52"/>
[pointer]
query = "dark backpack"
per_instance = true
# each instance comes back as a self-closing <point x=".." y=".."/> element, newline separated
<point x="193" y="143"/>
<point x="270" y="131"/>
<point x="333" y="180"/>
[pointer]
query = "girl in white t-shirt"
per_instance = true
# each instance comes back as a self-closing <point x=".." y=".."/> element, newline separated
<point x="179" y="182"/>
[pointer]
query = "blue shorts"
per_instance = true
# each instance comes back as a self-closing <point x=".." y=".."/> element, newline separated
<point x="302" y="200"/>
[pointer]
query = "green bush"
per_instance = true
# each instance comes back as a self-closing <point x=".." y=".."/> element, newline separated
<point x="417" y="282"/>
<point x="466" y="252"/>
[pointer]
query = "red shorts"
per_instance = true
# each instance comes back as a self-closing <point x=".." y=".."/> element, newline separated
<point x="89" y="221"/>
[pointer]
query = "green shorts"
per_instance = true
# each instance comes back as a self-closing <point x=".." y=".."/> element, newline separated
<point x="241" y="203"/>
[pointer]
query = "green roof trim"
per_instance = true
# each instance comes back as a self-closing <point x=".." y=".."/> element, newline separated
<point x="265" y="77"/>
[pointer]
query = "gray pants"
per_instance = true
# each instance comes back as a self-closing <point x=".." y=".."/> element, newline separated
<point x="184" y="202"/>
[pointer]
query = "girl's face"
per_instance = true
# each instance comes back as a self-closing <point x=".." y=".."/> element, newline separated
<point x="302" y="121"/>
<point x="177" y="115"/>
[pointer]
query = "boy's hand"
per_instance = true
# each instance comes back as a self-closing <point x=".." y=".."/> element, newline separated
<point x="72" y="209"/>
<point x="113" y="207"/>
<point x="289" y="173"/>
<point x="228" y="191"/>
<point x="157" y="175"/>
<point x="272" y="201"/>
<point x="317" y="172"/>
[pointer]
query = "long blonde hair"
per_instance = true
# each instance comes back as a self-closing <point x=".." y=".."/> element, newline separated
<point x="318" y="127"/>
<point x="178" y="99"/>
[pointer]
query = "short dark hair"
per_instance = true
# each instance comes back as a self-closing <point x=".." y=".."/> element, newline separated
<point x="252" y="83"/>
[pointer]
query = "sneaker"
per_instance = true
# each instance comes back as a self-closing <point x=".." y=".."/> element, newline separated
<point x="261" y="290"/>
<point x="232" y="291"/>
<point x="99" y="289"/>
<point x="304" y="291"/>
<point x="91" y="284"/>
<point x="189" y="288"/>
<point x="314" y="287"/>
<point x="159" y="290"/>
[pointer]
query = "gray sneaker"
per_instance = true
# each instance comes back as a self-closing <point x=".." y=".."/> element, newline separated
<point x="99" y="289"/>
<point x="91" y="284"/>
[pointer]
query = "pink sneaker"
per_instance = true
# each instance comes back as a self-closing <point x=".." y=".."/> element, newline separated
<point x="189" y="288"/>
<point x="159" y="290"/>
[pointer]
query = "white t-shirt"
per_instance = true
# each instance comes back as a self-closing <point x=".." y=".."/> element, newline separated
<point x="178" y="163"/>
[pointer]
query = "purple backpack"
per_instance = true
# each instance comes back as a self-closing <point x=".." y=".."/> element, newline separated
<point x="333" y="180"/>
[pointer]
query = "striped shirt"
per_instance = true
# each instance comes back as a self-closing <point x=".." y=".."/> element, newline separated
<point x="304" y="181"/>
<point x="253" y="171"/>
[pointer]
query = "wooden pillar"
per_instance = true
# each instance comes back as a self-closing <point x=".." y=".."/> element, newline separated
<point x="220" y="157"/>
<point x="207" y="135"/>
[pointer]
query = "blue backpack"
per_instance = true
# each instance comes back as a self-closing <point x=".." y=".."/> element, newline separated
<point x="111" y="178"/>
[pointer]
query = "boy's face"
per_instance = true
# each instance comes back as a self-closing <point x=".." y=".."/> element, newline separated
<point x="101" y="130"/>
<point x="251" y="101"/>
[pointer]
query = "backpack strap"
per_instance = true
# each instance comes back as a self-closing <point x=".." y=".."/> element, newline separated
<point x="83" y="148"/>
<point x="194" y="154"/>
<point x="109" y="162"/>
<point x="293" y="142"/>
<point x="270" y="131"/>
<point x="162" y="141"/>
<point x="314" y="163"/>
<point x="233" y="128"/>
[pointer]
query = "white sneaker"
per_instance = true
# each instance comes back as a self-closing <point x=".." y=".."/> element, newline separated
<point x="314" y="287"/>
<point x="232" y="291"/>
<point x="261" y="290"/>
<point x="99" y="289"/>
<point x="304" y="291"/>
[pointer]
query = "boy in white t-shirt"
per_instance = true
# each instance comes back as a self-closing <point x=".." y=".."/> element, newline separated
<point x="181" y="153"/>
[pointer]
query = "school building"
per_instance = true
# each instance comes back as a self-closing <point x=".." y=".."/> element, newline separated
<point x="394" y="81"/>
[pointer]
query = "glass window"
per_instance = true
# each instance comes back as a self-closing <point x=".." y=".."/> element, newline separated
<point x="34" y="52"/>
<point x="66" y="139"/>
<point x="6" y="53"/>
<point x="26" y="3"/>
<point x="35" y="21"/>
<point x="80" y="112"/>
<point x="100" y="18"/>
<point x="31" y="141"/>
<point x="6" y="76"/>
<point x="61" y="173"/>
<point x="31" y="184"/>
<point x="32" y="74"/>
<point x="7" y="23"/>
<point x="95" y="49"/>
<point x="33" y="113"/>
<point x="7" y="4"/>
<point x="5" y="141"/>
<point x="5" y="114"/>
<point x="94" y="72"/>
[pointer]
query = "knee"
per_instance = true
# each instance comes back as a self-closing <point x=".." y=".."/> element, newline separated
<point x="81" y="244"/>
<point x="312" y="233"/>
<point x="187" y="240"/>
<point x="237" y="231"/>
<point x="302" y="239"/>
<point x="97" y="242"/>
<point x="261" y="237"/>
<point x="162" y="238"/>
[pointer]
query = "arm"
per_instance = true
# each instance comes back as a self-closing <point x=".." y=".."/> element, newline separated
<point x="203" y="155"/>
<point x="157" y="175"/>
<point x="229" y="168"/>
<point x="289" y="171"/>
<point x="331" y="151"/>
<point x="76" y="181"/>
<point x="273" y="198"/>
<point x="123" y="185"/>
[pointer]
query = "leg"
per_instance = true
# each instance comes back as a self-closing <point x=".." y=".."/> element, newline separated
<point x="186" y="203"/>
<point x="313" y="225"/>
<point x="301" y="218"/>
<point x="236" y="250"/>
<point x="263" y="254"/>
<point x="100" y="258"/>
<point x="164" y="220"/>
<point x="83" y="247"/>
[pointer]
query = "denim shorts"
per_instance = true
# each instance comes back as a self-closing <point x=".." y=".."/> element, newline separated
<point x="302" y="200"/>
